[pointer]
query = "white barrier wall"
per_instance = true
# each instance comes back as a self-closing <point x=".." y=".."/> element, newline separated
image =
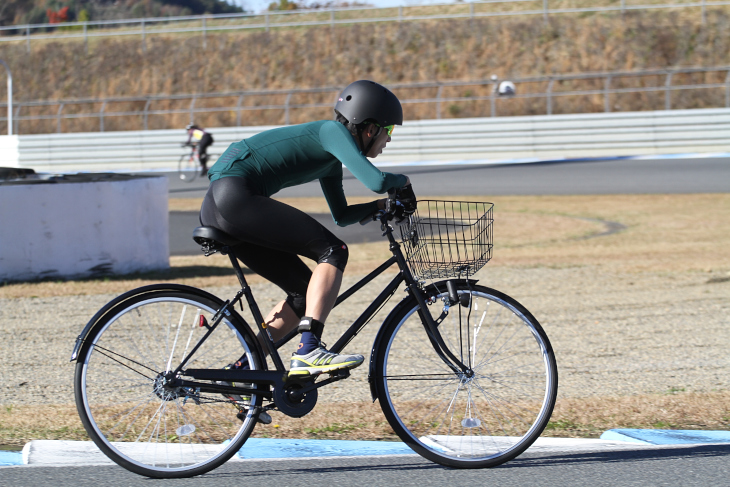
<point x="545" y="137"/>
<point x="79" y="229"/>
<point x="9" y="152"/>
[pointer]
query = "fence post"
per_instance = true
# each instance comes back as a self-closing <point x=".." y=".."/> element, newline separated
<point x="238" y="110"/>
<point x="101" y="117"/>
<point x="266" y="19"/>
<point x="16" y="120"/>
<point x="667" y="92"/>
<point x="146" y="106"/>
<point x="400" y="13"/>
<point x="286" y="109"/>
<point x="545" y="10"/>
<point x="550" y="97"/>
<point x="144" y="38"/>
<point x="192" y="109"/>
<point x="58" y="118"/>
<point x="471" y="10"/>
<point x="86" y="40"/>
<point x="332" y="18"/>
<point x="205" y="40"/>
<point x="606" y="94"/>
<point x="438" y="100"/>
<point x="623" y="7"/>
<point x="704" y="12"/>
<point x="27" y="38"/>
<point x="10" y="97"/>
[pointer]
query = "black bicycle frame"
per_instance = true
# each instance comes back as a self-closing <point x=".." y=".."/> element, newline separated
<point x="279" y="375"/>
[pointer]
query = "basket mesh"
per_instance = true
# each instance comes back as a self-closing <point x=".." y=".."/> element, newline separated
<point x="448" y="238"/>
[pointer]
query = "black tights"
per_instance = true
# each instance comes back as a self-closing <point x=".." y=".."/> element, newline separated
<point x="272" y="236"/>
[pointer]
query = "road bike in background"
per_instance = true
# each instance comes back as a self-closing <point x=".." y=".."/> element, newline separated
<point x="189" y="166"/>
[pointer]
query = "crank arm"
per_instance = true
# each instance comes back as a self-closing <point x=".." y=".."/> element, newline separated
<point x="334" y="378"/>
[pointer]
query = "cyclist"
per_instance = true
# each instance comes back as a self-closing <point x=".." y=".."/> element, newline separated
<point x="198" y="137"/>
<point x="274" y="234"/>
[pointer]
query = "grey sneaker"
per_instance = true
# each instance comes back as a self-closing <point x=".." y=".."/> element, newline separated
<point x="320" y="361"/>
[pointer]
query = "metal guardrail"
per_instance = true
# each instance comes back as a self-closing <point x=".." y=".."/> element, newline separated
<point x="533" y="137"/>
<point x="205" y="24"/>
<point x="421" y="100"/>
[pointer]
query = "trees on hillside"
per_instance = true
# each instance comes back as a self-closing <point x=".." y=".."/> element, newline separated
<point x="14" y="12"/>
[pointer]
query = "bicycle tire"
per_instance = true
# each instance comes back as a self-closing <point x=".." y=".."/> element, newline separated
<point x="458" y="421"/>
<point x="188" y="168"/>
<point x="131" y="418"/>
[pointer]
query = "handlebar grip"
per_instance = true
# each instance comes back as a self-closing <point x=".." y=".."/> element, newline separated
<point x="371" y="218"/>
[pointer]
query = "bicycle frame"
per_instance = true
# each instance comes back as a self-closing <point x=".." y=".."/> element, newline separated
<point x="279" y="376"/>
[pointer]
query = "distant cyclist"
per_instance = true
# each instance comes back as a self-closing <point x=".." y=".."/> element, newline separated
<point x="274" y="235"/>
<point x="200" y="139"/>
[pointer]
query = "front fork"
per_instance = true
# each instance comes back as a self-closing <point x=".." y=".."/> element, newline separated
<point x="429" y="323"/>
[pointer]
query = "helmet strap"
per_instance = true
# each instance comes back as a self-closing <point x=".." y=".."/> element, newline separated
<point x="365" y="150"/>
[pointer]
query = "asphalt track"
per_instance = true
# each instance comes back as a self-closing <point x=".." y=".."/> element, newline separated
<point x="693" y="465"/>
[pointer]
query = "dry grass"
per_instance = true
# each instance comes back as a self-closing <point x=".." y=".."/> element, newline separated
<point x="673" y="233"/>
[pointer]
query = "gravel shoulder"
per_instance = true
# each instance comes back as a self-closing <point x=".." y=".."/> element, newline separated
<point x="614" y="333"/>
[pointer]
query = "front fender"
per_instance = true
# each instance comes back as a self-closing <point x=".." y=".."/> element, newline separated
<point x="408" y="302"/>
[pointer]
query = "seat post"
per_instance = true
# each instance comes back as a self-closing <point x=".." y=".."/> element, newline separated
<point x="237" y="268"/>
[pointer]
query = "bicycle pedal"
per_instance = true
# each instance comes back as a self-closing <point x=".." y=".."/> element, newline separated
<point x="340" y="374"/>
<point x="263" y="417"/>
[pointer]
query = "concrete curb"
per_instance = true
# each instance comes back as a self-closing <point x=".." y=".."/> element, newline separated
<point x="666" y="437"/>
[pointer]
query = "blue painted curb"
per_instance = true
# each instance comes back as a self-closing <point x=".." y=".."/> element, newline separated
<point x="666" y="437"/>
<point x="281" y="448"/>
<point x="8" y="458"/>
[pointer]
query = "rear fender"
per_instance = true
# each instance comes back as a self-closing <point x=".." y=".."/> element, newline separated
<point x="82" y="343"/>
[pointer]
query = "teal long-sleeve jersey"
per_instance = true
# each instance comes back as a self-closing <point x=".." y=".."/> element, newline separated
<point x="297" y="154"/>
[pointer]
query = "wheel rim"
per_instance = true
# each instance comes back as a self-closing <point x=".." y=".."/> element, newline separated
<point x="496" y="409"/>
<point x="127" y="397"/>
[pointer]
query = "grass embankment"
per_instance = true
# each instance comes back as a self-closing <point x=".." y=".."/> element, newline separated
<point x="387" y="52"/>
<point x="670" y="236"/>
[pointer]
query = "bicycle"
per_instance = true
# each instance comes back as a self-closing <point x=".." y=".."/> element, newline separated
<point x="470" y="384"/>
<point x="188" y="167"/>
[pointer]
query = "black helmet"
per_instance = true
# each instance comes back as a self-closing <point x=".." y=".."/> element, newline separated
<point x="367" y="100"/>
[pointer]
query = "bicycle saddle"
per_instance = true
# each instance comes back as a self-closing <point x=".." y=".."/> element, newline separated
<point x="213" y="237"/>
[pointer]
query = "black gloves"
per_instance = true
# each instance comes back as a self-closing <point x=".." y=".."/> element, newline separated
<point x="401" y="202"/>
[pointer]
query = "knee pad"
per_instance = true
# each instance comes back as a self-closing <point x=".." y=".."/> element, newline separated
<point x="297" y="303"/>
<point x="336" y="255"/>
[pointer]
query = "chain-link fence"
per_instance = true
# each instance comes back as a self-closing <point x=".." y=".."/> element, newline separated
<point x="559" y="94"/>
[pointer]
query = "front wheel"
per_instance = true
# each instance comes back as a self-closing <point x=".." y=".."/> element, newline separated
<point x="479" y="418"/>
<point x="188" y="168"/>
<point x="124" y="398"/>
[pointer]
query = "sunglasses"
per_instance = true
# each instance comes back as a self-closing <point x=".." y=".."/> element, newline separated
<point x="388" y="128"/>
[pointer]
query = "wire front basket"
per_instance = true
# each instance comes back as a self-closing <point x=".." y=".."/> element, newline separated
<point x="448" y="238"/>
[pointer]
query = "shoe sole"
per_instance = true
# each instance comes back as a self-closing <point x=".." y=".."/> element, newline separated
<point x="323" y="370"/>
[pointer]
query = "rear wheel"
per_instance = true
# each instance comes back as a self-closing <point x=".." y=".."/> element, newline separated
<point x="481" y="418"/>
<point x="124" y="398"/>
